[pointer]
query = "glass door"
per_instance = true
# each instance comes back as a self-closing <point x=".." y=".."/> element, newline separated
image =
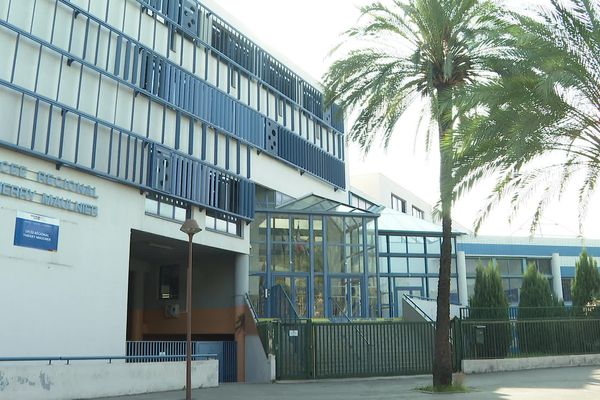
<point x="295" y="287"/>
<point x="345" y="298"/>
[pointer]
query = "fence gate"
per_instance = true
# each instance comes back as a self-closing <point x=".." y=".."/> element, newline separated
<point x="293" y="350"/>
<point x="310" y="350"/>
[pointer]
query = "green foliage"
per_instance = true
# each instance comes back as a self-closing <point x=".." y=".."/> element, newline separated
<point x="488" y="293"/>
<point x="536" y="302"/>
<point x="491" y="336"/>
<point x="546" y="102"/>
<point x="535" y="292"/>
<point x="586" y="286"/>
<point x="418" y="52"/>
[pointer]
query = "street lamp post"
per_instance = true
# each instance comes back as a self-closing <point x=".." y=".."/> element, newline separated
<point x="190" y="227"/>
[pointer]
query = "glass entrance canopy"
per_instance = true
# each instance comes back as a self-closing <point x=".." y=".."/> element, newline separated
<point x="322" y="253"/>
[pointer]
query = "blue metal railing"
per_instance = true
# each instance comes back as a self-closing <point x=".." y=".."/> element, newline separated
<point x="164" y="81"/>
<point x="153" y="358"/>
<point x="122" y="155"/>
<point x="224" y="351"/>
<point x="214" y="33"/>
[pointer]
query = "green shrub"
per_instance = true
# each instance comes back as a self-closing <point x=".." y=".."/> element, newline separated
<point x="586" y="286"/>
<point x="538" y="335"/>
<point x="489" y="306"/>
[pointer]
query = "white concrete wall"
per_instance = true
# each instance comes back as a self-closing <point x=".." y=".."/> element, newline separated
<point x="379" y="188"/>
<point x="85" y="379"/>
<point x="429" y="307"/>
<point x="61" y="300"/>
<point x="519" y="364"/>
<point x="260" y="368"/>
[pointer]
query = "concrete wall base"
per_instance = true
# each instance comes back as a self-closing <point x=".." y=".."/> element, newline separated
<point x="259" y="367"/>
<point x="83" y="380"/>
<point x="518" y="364"/>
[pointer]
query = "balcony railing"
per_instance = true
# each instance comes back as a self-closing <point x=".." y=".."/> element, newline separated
<point x="133" y="65"/>
<point x="61" y="134"/>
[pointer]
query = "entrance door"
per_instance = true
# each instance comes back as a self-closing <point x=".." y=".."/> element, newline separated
<point x="296" y="287"/>
<point x="400" y="292"/>
<point x="345" y="297"/>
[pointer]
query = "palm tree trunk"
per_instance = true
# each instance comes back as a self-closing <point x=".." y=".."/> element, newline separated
<point x="442" y="362"/>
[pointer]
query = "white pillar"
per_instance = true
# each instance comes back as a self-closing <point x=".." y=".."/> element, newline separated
<point x="461" y="266"/>
<point x="556" y="276"/>
<point x="242" y="272"/>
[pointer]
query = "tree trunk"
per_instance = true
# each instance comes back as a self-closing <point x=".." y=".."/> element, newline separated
<point x="442" y="362"/>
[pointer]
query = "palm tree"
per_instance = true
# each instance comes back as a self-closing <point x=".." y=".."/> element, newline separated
<point x="541" y="129"/>
<point x="418" y="51"/>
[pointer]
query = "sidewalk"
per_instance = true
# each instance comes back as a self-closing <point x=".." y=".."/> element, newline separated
<point x="581" y="383"/>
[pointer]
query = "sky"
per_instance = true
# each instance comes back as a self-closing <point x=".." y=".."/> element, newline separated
<point x="303" y="33"/>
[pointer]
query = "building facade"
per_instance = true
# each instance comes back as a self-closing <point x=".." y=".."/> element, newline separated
<point x="122" y="118"/>
<point x="119" y="120"/>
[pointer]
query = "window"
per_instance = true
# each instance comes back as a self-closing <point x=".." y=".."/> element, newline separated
<point x="168" y="287"/>
<point x="417" y="212"/>
<point x="233" y="77"/>
<point x="510" y="266"/>
<point x="267" y="198"/>
<point x="398" y="204"/>
<point x="566" y="288"/>
<point x="161" y="206"/>
<point x="543" y="265"/>
<point x="473" y="263"/>
<point x="512" y="288"/>
<point x="223" y="223"/>
<point x="397" y="244"/>
<point x="360" y="202"/>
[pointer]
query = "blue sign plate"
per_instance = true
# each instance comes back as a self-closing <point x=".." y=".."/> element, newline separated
<point x="36" y="231"/>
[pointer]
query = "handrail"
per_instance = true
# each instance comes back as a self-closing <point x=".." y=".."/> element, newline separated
<point x="68" y="359"/>
<point x="410" y="301"/>
<point x="251" y="307"/>
<point x="349" y="320"/>
<point x="429" y="299"/>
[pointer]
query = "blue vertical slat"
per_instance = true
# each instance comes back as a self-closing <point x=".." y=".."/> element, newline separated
<point x="118" y="55"/>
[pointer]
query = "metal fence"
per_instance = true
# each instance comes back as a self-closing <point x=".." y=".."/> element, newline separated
<point x="224" y="351"/>
<point x="527" y="338"/>
<point x="314" y="350"/>
<point x="514" y="312"/>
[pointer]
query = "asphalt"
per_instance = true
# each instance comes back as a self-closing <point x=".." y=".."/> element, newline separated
<point x="576" y="383"/>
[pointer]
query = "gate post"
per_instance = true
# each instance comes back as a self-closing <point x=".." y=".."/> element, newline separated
<point x="310" y="349"/>
<point x="457" y="341"/>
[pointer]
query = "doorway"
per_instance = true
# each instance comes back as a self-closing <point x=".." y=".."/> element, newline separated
<point x="345" y="297"/>
<point x="296" y="288"/>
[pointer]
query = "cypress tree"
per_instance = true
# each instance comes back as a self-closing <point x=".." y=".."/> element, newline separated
<point x="586" y="286"/>
<point x="536" y="337"/>
<point x="535" y="292"/>
<point x="489" y="303"/>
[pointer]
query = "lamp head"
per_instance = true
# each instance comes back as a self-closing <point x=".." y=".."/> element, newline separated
<point x="190" y="227"/>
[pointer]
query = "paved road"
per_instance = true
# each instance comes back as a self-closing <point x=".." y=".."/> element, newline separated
<point x="582" y="383"/>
